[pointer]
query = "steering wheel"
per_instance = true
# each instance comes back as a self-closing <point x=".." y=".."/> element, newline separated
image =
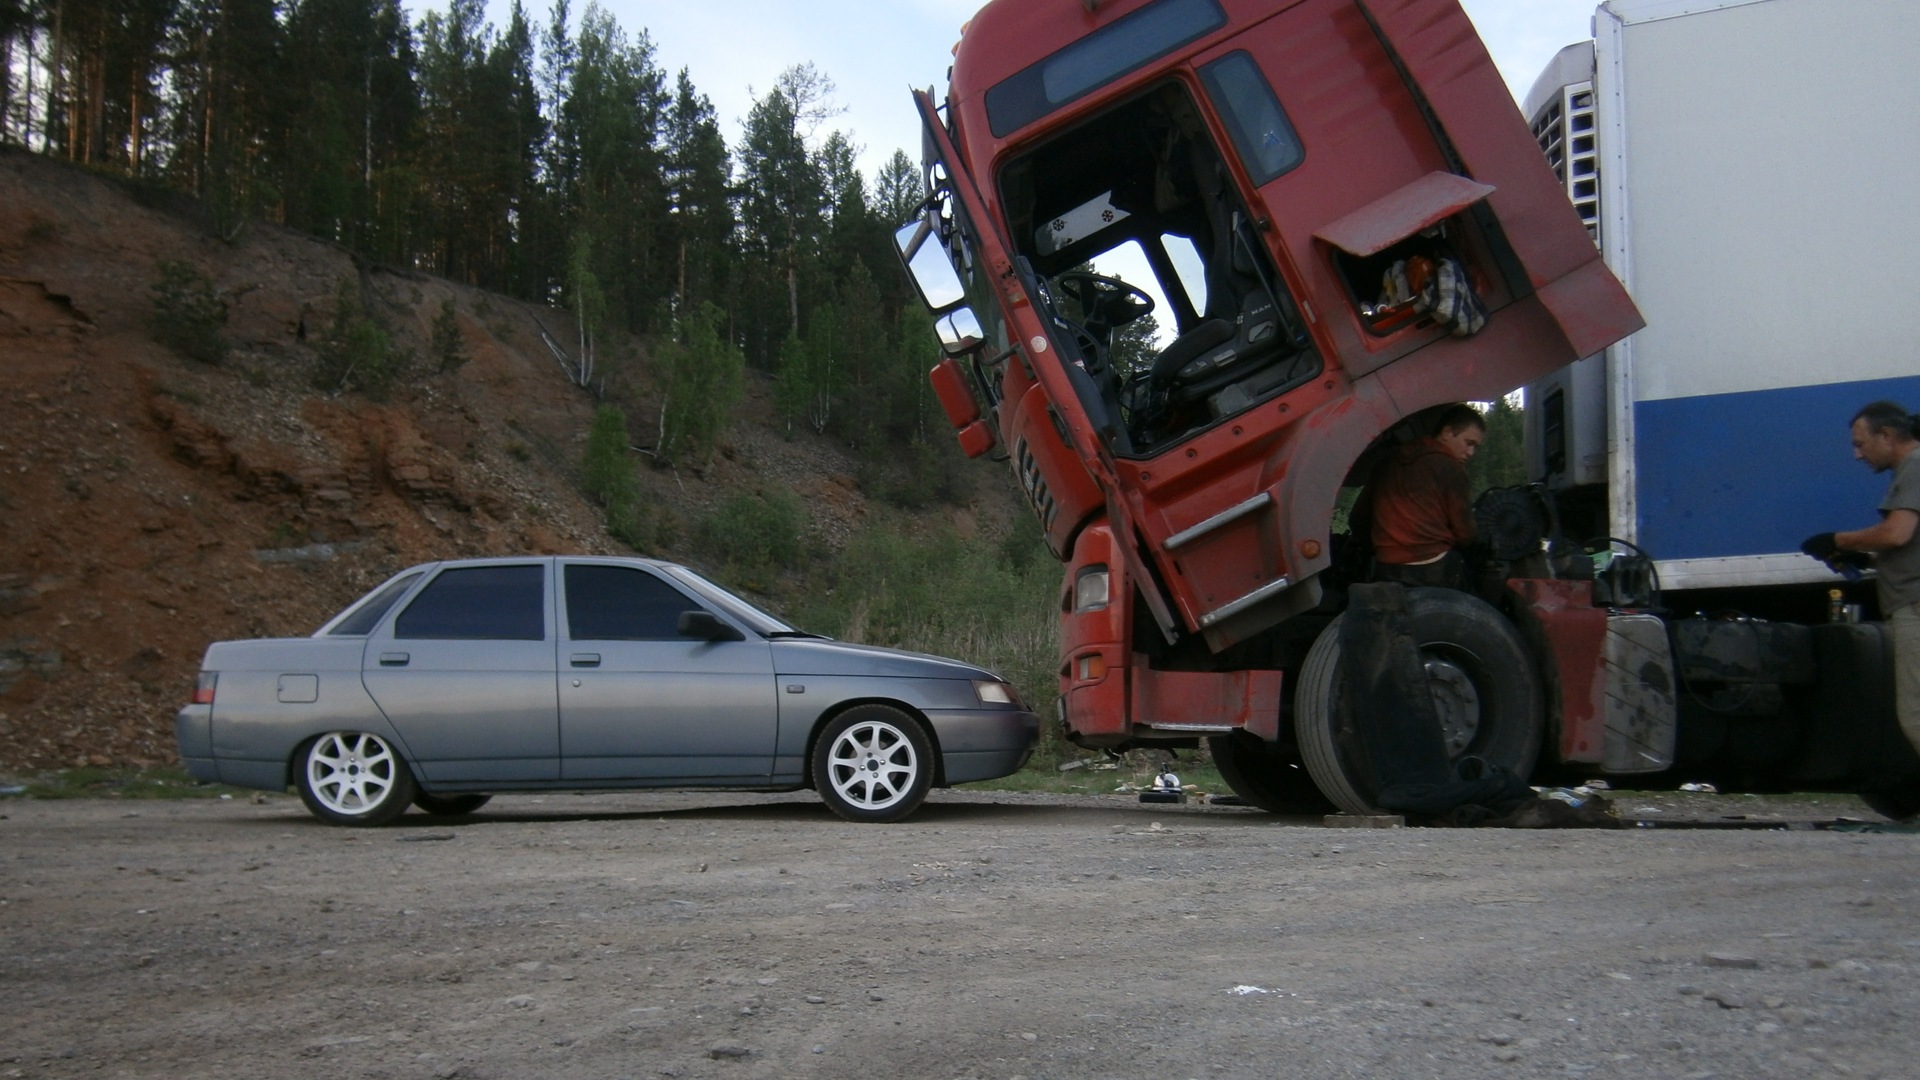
<point x="1106" y="302"/>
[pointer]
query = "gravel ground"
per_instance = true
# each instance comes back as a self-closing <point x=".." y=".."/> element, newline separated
<point x="993" y="935"/>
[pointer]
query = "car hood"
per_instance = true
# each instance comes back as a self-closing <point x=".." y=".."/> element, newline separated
<point x="821" y="657"/>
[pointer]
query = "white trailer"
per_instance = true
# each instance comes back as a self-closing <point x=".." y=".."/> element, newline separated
<point x="1747" y="168"/>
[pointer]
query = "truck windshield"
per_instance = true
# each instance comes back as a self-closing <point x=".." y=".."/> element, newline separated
<point x="1135" y="241"/>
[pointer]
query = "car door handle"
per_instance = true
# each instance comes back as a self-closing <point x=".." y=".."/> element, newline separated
<point x="393" y="659"/>
<point x="586" y="659"/>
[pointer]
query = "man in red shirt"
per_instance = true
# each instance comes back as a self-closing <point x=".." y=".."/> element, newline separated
<point x="1421" y="505"/>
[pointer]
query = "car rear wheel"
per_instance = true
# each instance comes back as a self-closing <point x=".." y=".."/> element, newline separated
<point x="354" y="778"/>
<point x="1478" y="671"/>
<point x="449" y="805"/>
<point x="873" y="763"/>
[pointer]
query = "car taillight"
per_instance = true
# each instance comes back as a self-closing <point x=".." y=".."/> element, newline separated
<point x="203" y="687"/>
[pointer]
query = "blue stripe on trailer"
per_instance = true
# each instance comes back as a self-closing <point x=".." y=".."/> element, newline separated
<point x="1755" y="473"/>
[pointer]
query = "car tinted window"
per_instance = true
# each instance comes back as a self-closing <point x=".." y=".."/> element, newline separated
<point x="362" y="618"/>
<point x="621" y="603"/>
<point x="479" y="602"/>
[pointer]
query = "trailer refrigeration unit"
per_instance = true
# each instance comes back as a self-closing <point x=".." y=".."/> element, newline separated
<point x="1260" y="176"/>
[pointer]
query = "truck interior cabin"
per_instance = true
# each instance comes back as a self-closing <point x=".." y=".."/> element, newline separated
<point x="1142" y="192"/>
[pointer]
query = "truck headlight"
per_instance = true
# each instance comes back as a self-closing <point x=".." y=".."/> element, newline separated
<point x="1090" y="589"/>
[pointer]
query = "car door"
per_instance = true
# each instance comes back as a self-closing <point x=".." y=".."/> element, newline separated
<point x="466" y="674"/>
<point x="640" y="701"/>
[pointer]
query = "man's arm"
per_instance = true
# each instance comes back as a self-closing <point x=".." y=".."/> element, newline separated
<point x="1894" y="530"/>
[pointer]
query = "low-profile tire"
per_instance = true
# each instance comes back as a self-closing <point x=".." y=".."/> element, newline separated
<point x="1483" y="683"/>
<point x="873" y="763"/>
<point x="353" y="778"/>
<point x="449" y="805"/>
<point x="1264" y="776"/>
<point x="1900" y="803"/>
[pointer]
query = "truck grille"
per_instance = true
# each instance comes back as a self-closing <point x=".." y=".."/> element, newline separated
<point x="1034" y="485"/>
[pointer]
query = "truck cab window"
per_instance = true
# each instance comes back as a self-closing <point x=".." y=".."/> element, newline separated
<point x="1134" y="214"/>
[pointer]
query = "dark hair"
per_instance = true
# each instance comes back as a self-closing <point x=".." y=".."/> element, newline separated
<point x="1458" y="417"/>
<point x="1889" y="417"/>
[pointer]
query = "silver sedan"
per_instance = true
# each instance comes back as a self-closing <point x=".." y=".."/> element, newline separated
<point x="456" y="680"/>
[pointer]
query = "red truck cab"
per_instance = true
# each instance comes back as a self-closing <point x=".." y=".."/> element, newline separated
<point x="1257" y="171"/>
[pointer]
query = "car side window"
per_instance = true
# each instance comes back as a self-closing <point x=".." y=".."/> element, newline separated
<point x="621" y="603"/>
<point x="488" y="603"/>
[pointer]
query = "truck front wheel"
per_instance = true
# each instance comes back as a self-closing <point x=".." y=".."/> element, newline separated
<point x="1264" y="776"/>
<point x="1483" y="687"/>
<point x="1901" y="803"/>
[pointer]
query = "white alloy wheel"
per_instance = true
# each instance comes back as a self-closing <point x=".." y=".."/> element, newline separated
<point x="873" y="763"/>
<point x="354" y="778"/>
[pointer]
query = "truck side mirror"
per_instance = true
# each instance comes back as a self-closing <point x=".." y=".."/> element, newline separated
<point x="706" y="626"/>
<point x="939" y="285"/>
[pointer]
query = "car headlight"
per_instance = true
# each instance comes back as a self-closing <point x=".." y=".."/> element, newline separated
<point x="1090" y="589"/>
<point x="995" y="693"/>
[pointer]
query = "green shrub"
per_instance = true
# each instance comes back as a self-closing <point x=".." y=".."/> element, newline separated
<point x="606" y="475"/>
<point x="356" y="352"/>
<point x="188" y="312"/>
<point x="704" y="380"/>
<point x="755" y="536"/>
<point x="449" y="348"/>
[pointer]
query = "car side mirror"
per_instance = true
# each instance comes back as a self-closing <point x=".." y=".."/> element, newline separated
<point x="707" y="626"/>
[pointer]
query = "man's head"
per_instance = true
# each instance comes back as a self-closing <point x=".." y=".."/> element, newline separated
<point x="1460" y="432"/>
<point x="1883" y="435"/>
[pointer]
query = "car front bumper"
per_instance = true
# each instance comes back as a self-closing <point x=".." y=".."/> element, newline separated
<point x="980" y="744"/>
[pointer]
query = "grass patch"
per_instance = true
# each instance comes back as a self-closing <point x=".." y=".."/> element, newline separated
<point x="110" y="783"/>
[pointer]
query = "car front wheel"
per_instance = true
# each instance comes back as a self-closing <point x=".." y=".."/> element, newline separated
<point x="354" y="778"/>
<point x="873" y="763"/>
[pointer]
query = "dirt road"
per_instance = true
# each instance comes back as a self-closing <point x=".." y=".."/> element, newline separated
<point x="991" y="936"/>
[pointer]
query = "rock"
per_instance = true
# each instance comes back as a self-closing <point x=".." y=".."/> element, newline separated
<point x="1729" y="960"/>
<point x="727" y="1051"/>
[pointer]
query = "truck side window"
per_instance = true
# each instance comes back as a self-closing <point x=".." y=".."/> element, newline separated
<point x="1261" y="131"/>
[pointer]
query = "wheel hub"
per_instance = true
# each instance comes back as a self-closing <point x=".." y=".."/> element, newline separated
<point x="1456" y="700"/>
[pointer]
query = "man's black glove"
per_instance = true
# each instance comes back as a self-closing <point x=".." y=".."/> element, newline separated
<point x="1859" y="560"/>
<point x="1820" y="546"/>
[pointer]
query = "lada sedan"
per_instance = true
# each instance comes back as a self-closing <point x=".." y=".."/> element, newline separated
<point x="456" y="680"/>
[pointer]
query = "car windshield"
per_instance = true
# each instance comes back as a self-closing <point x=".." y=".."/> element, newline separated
<point x="761" y="622"/>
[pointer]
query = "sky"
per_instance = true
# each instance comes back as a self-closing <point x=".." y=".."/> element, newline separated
<point x="875" y="51"/>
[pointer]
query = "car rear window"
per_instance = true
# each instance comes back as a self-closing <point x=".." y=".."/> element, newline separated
<point x="492" y="603"/>
<point x="621" y="603"/>
<point x="362" y="618"/>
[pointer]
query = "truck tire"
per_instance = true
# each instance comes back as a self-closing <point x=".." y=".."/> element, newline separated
<point x="1901" y="804"/>
<point x="1479" y="672"/>
<point x="1265" y="776"/>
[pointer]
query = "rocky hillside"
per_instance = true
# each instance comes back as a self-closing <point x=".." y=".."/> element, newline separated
<point x="150" y="504"/>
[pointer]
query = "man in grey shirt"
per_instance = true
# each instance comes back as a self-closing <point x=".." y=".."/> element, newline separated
<point x="1884" y="437"/>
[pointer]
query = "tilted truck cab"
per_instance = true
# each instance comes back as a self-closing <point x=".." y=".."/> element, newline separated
<point x="1256" y="176"/>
